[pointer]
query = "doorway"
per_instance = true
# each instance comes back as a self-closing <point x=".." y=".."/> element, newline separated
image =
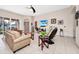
<point x="26" y="27"/>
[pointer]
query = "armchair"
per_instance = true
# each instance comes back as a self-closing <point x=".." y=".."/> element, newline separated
<point x="17" y="41"/>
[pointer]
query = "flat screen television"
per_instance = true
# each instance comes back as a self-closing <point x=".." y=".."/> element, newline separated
<point x="43" y="23"/>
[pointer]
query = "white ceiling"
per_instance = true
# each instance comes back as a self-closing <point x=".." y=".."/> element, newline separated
<point x="40" y="9"/>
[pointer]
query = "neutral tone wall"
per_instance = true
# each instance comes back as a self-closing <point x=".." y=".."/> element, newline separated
<point x="65" y="14"/>
<point x="77" y="7"/>
<point x="77" y="28"/>
<point x="4" y="13"/>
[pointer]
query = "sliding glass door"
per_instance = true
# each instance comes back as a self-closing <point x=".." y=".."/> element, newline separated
<point x="11" y="24"/>
<point x="8" y="24"/>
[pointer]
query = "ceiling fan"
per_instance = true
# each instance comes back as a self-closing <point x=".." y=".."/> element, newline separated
<point x="32" y="8"/>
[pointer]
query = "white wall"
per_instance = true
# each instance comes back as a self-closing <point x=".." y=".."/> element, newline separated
<point x="65" y="14"/>
<point x="77" y="7"/>
<point x="77" y="29"/>
<point x="21" y="24"/>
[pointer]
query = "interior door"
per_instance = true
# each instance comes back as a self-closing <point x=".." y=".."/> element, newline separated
<point x="26" y="27"/>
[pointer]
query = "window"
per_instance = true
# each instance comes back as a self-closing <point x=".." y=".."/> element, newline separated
<point x="6" y="23"/>
<point x="14" y="23"/>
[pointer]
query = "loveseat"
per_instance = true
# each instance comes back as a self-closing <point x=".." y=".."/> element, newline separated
<point x="16" y="41"/>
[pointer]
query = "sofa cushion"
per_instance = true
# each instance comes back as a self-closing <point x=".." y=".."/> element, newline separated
<point x="15" y="33"/>
<point x="23" y="37"/>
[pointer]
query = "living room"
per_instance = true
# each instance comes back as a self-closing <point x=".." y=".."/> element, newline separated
<point x="22" y="22"/>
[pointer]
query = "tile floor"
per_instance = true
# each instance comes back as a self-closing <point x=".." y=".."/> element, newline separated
<point x="63" y="45"/>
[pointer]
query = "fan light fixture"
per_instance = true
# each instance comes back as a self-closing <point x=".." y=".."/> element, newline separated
<point x="31" y="8"/>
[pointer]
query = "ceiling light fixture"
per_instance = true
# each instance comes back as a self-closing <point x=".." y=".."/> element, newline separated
<point x="32" y="8"/>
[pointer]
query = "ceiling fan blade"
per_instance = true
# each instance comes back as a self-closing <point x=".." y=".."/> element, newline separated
<point x="33" y="9"/>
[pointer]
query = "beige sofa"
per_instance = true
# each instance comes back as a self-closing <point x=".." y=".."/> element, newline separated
<point x="16" y="40"/>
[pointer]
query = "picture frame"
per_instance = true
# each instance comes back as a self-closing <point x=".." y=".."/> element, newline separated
<point x="60" y="22"/>
<point x="53" y="21"/>
<point x="43" y="23"/>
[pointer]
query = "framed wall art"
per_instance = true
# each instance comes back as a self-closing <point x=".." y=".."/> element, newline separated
<point x="43" y="23"/>
<point x="53" y="21"/>
<point x="60" y="22"/>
